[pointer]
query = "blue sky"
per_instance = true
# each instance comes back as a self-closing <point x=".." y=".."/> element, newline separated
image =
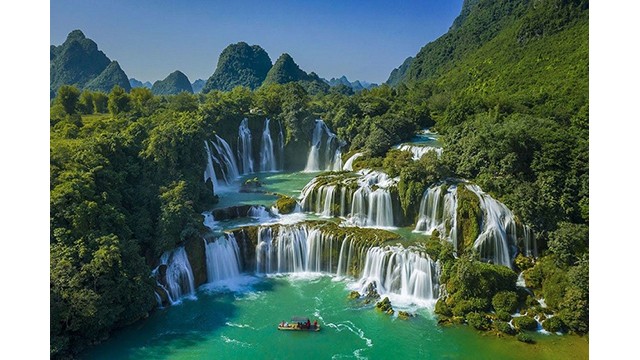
<point x="363" y="40"/>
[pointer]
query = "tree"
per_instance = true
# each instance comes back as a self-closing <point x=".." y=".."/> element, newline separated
<point x="68" y="97"/>
<point x="100" y="101"/>
<point x="119" y="101"/>
<point x="86" y="102"/>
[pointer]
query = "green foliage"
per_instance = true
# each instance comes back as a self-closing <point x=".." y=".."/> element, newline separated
<point x="525" y="323"/>
<point x="463" y="307"/>
<point x="506" y="301"/>
<point x="553" y="324"/>
<point x="85" y="103"/>
<point x="100" y="102"/>
<point x="504" y="327"/>
<point x="239" y="65"/>
<point x="442" y="308"/>
<point x="119" y="101"/>
<point x="525" y="338"/>
<point x="503" y="315"/>
<point x="469" y="218"/>
<point x="109" y="78"/>
<point x="479" y="321"/>
<point x="568" y="243"/>
<point x="68" y="97"/>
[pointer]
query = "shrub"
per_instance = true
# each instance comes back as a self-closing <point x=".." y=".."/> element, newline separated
<point x="525" y="338"/>
<point x="525" y="323"/>
<point x="503" y="315"/>
<point x="479" y="321"/>
<point x="442" y="308"/>
<point x="504" y="327"/>
<point x="553" y="324"/>
<point x="506" y="301"/>
<point x="463" y="307"/>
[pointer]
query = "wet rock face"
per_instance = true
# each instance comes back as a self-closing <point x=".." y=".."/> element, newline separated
<point x="196" y="254"/>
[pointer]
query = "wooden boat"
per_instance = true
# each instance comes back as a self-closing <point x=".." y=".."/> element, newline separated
<point x="298" y="323"/>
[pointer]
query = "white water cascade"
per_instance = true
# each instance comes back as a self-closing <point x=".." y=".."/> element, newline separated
<point x="209" y="171"/>
<point x="438" y="212"/>
<point x="280" y="147"/>
<point x="296" y="249"/>
<point x="223" y="259"/>
<point x="420" y="151"/>
<point x="245" y="152"/>
<point x="178" y="274"/>
<point x="348" y="165"/>
<point x="497" y="242"/>
<point x="331" y="158"/>
<point x="267" y="155"/>
<point x="400" y="271"/>
<point x="369" y="205"/>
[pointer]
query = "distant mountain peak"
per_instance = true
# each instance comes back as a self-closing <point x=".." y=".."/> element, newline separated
<point x="239" y="65"/>
<point x="174" y="83"/>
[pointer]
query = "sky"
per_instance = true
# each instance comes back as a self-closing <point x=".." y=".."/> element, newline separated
<point x="363" y="40"/>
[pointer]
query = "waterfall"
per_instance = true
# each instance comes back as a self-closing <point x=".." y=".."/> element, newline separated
<point x="209" y="171"/>
<point x="370" y="205"/>
<point x="245" y="152"/>
<point x="400" y="271"/>
<point x="438" y="212"/>
<point x="498" y="238"/>
<point x="419" y="151"/>
<point x="221" y="164"/>
<point x="267" y="156"/>
<point x="178" y="274"/>
<point x="280" y="147"/>
<point x="302" y="248"/>
<point x="329" y="159"/>
<point x="258" y="212"/>
<point x="223" y="259"/>
<point x="348" y="166"/>
<point x="209" y="221"/>
<point x="529" y="242"/>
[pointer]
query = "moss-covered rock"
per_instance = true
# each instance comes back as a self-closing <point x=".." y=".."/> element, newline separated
<point x="554" y="324"/>
<point x="524" y="262"/>
<point x="469" y="218"/>
<point x="525" y="323"/>
<point x="353" y="295"/>
<point x="286" y="204"/>
<point x="251" y="186"/>
<point x="385" y="306"/>
<point x="403" y="315"/>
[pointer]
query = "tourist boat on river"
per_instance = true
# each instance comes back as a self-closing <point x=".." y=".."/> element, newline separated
<point x="299" y="323"/>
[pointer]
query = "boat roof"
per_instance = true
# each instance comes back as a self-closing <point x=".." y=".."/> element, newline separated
<point x="299" y="319"/>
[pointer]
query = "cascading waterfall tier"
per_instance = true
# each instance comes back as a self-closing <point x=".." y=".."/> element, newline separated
<point x="176" y="277"/>
<point x="498" y="238"/>
<point x="267" y="155"/>
<point x="303" y="248"/>
<point x="419" y="151"/>
<point x="221" y="164"/>
<point x="223" y="258"/>
<point x="245" y="150"/>
<point x="348" y="165"/>
<point x="364" y="198"/>
<point x="324" y="155"/>
<point x="438" y="212"/>
<point x="397" y="270"/>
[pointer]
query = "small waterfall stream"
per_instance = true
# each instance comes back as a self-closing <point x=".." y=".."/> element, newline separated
<point x="245" y="152"/>
<point x="331" y="158"/>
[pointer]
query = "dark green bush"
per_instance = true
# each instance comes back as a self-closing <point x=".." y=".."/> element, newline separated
<point x="525" y="338"/>
<point x="553" y="324"/>
<point x="504" y="327"/>
<point x="506" y="301"/>
<point x="478" y="320"/>
<point x="525" y="323"/>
